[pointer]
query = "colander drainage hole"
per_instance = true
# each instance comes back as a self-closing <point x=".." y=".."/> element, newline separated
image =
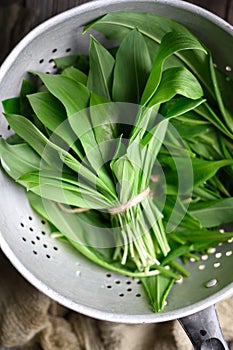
<point x="203" y="332"/>
<point x="108" y="275"/>
<point x="68" y="50"/>
<point x="43" y="222"/>
<point x="41" y="61"/>
<point x="54" y="50"/>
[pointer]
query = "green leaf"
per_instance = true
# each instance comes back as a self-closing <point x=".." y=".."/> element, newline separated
<point x="77" y="61"/>
<point x="34" y="137"/>
<point x="101" y="69"/>
<point x="177" y="80"/>
<point x="132" y="68"/>
<point x="214" y="213"/>
<point x="52" y="153"/>
<point x="74" y="96"/>
<point x="124" y="171"/>
<point x="75" y="74"/>
<point x="52" y="114"/>
<point x="171" y="43"/>
<point x="18" y="159"/>
<point x="11" y="105"/>
<point x="176" y="214"/>
<point x="157" y="288"/>
<point x="55" y="187"/>
<point x="202" y="170"/>
<point x="118" y="24"/>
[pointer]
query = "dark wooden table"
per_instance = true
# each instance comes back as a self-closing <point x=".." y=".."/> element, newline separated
<point x="17" y="17"/>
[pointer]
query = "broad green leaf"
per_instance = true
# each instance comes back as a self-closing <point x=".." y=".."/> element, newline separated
<point x="157" y="288"/>
<point x="179" y="106"/>
<point x="203" y="235"/>
<point x="187" y="127"/>
<point x="214" y="213"/>
<point x="55" y="189"/>
<point x="176" y="214"/>
<point x="171" y="43"/>
<point x="77" y="61"/>
<point x="53" y="115"/>
<point x="50" y="152"/>
<point x="11" y="105"/>
<point x="209" y="114"/>
<point x="105" y="117"/>
<point x="25" y="108"/>
<point x="177" y="80"/>
<point x="75" y="74"/>
<point x="74" y="96"/>
<point x="18" y="159"/>
<point x="202" y="170"/>
<point x="34" y="137"/>
<point x="101" y="69"/>
<point x="132" y="68"/>
<point x="117" y="25"/>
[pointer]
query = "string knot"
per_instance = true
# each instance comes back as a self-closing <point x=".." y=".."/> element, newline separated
<point x="131" y="203"/>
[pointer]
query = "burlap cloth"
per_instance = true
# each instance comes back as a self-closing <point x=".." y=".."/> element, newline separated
<point x="29" y="320"/>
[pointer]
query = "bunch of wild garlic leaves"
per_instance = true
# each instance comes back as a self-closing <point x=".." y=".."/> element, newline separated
<point x="127" y="151"/>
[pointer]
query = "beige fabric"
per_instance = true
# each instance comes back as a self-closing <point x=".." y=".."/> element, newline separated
<point x="32" y="321"/>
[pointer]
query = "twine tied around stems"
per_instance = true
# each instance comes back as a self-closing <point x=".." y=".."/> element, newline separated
<point x="131" y="203"/>
<point x="121" y="208"/>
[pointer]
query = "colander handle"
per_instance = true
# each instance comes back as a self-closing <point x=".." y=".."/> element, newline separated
<point x="204" y="330"/>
